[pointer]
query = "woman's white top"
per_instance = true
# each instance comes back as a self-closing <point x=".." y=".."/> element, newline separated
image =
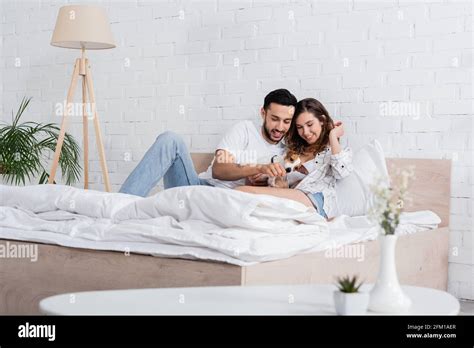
<point x="324" y="170"/>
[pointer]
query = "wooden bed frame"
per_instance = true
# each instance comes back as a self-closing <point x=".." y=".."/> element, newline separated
<point x="422" y="258"/>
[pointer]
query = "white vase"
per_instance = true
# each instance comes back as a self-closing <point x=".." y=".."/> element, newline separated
<point x="350" y="303"/>
<point x="387" y="296"/>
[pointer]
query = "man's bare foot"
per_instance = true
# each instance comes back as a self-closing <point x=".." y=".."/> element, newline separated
<point x="330" y="219"/>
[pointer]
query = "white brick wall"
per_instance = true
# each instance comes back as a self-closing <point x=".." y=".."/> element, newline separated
<point x="198" y="66"/>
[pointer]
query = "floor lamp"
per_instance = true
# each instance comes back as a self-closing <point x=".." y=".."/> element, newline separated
<point x="82" y="27"/>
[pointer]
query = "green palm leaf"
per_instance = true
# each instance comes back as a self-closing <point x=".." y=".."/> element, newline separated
<point x="24" y="148"/>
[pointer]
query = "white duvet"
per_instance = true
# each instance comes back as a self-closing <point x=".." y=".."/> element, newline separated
<point x="196" y="222"/>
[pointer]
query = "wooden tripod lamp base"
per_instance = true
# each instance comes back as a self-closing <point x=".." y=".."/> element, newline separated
<point x="82" y="68"/>
<point x="82" y="27"/>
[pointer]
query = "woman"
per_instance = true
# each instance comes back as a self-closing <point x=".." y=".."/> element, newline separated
<point x="315" y="138"/>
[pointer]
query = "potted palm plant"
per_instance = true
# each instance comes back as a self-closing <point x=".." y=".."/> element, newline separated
<point x="348" y="299"/>
<point x="24" y="148"/>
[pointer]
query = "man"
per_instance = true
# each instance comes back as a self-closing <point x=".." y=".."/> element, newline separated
<point x="242" y="156"/>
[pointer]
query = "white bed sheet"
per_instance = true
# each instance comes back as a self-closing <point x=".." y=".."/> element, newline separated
<point x="197" y="222"/>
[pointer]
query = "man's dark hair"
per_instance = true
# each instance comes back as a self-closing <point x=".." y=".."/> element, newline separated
<point x="280" y="96"/>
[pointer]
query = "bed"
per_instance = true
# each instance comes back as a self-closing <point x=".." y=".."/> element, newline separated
<point x="422" y="258"/>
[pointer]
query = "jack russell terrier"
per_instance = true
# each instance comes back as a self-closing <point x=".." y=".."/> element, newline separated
<point x="291" y="162"/>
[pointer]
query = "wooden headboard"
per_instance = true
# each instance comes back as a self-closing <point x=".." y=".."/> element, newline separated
<point x="430" y="190"/>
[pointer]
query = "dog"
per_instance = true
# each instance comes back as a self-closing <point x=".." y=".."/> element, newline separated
<point x="290" y="162"/>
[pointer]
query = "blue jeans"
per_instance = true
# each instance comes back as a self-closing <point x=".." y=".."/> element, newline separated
<point x="167" y="158"/>
<point x="318" y="201"/>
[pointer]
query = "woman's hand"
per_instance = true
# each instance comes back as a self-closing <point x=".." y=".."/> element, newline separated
<point x="334" y="135"/>
<point x="338" y="130"/>
<point x="281" y="182"/>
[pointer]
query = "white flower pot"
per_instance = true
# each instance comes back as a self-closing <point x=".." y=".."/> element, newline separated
<point x="387" y="296"/>
<point x="351" y="303"/>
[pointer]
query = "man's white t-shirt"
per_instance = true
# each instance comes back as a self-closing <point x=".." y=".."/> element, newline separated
<point x="246" y="143"/>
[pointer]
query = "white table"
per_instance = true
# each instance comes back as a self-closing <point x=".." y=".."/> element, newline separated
<point x="230" y="300"/>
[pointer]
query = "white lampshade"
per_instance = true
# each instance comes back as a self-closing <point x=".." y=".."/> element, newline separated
<point x="82" y="26"/>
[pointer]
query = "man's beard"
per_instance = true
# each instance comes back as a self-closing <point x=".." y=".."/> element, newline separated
<point x="268" y="133"/>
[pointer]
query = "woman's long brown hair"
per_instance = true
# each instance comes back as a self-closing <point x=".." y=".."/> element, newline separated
<point x="296" y="144"/>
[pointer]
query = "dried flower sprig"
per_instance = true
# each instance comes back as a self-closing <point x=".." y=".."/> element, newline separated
<point x="390" y="198"/>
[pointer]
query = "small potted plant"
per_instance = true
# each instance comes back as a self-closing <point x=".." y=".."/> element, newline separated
<point x="348" y="299"/>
